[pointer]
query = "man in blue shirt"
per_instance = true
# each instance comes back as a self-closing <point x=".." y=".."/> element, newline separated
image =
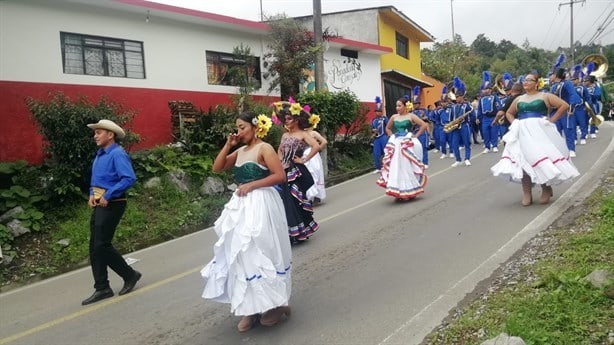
<point x="112" y="176"/>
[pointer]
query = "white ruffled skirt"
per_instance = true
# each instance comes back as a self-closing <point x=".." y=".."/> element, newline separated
<point x="402" y="172"/>
<point x="252" y="259"/>
<point x="535" y="146"/>
<point x="316" y="169"/>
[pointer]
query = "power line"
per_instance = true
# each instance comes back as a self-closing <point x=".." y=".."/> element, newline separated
<point x="602" y="27"/>
<point x="594" y="21"/>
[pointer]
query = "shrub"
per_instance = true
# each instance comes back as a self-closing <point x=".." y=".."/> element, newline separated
<point x="68" y="141"/>
<point x="337" y="110"/>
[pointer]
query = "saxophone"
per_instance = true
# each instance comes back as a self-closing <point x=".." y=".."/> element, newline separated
<point x="455" y="124"/>
<point x="594" y="118"/>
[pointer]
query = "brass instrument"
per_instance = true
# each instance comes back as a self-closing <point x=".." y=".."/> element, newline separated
<point x="595" y="119"/>
<point x="499" y="87"/>
<point x="455" y="124"/>
<point x="601" y="65"/>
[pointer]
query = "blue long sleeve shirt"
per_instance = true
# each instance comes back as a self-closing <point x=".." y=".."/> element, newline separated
<point x="112" y="170"/>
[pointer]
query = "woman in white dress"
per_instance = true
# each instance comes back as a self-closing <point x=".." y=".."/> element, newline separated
<point x="317" y="192"/>
<point x="534" y="150"/>
<point x="252" y="259"/>
<point x="402" y="172"/>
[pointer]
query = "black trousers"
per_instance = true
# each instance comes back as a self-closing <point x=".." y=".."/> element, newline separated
<point x="103" y="223"/>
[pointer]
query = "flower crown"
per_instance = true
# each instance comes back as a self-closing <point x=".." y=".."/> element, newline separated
<point x="314" y="119"/>
<point x="263" y="123"/>
<point x="409" y="105"/>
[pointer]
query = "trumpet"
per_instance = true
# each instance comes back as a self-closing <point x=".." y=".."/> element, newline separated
<point x="455" y="124"/>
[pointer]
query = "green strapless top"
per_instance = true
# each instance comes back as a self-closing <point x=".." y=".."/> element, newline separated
<point x="249" y="171"/>
<point x="535" y="106"/>
<point x="401" y="126"/>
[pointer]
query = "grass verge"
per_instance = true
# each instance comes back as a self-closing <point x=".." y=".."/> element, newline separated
<point x="548" y="301"/>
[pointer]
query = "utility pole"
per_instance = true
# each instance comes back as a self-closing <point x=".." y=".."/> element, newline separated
<point x="571" y="44"/>
<point x="452" y="16"/>
<point x="317" y="32"/>
<point x="319" y="65"/>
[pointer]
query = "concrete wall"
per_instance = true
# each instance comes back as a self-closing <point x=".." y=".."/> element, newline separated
<point x="345" y="24"/>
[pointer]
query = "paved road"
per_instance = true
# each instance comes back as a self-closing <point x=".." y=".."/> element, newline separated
<point x="377" y="272"/>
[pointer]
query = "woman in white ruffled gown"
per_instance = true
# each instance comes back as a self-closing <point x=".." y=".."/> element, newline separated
<point x="317" y="192"/>
<point x="402" y="172"/>
<point x="535" y="152"/>
<point x="252" y="259"/>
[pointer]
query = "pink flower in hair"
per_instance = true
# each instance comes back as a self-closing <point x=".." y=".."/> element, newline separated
<point x="291" y="100"/>
<point x="307" y="108"/>
<point x="275" y="119"/>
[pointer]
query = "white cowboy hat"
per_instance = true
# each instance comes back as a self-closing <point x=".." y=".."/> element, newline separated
<point x="109" y="126"/>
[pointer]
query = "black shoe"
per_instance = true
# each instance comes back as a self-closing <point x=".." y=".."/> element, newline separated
<point x="129" y="284"/>
<point x="97" y="296"/>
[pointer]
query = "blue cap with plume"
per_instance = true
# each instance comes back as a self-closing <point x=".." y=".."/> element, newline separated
<point x="444" y="93"/>
<point x="507" y="81"/>
<point x="459" y="87"/>
<point x="378" y="103"/>
<point x="416" y="94"/>
<point x="577" y="72"/>
<point x="590" y="68"/>
<point x="486" y="83"/>
<point x="557" y="69"/>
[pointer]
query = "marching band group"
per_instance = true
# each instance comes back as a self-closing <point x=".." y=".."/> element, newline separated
<point x="454" y="124"/>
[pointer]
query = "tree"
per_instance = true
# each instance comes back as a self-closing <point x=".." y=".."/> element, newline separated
<point x="292" y="50"/>
<point x="446" y="59"/>
<point x="240" y="74"/>
<point x="482" y="45"/>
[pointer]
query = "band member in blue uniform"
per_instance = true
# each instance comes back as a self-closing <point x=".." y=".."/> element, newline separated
<point x="487" y="110"/>
<point x="475" y="124"/>
<point x="595" y="91"/>
<point x="580" y="111"/>
<point x="422" y="113"/>
<point x="463" y="133"/>
<point x="507" y="83"/>
<point x="514" y="92"/>
<point x="378" y="130"/>
<point x="434" y="116"/>
<point x="444" y="118"/>
<point x="565" y="90"/>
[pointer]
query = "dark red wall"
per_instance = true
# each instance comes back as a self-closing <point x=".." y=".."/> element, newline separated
<point x="19" y="139"/>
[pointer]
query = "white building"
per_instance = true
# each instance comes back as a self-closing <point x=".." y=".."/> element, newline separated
<point x="142" y="55"/>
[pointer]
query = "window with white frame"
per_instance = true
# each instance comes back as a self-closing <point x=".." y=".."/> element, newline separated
<point x="103" y="56"/>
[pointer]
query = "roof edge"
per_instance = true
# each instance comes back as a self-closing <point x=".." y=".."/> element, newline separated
<point x="196" y="13"/>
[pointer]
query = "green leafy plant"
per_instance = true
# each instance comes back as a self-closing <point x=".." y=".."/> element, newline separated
<point x="163" y="159"/>
<point x="337" y="110"/>
<point x="68" y="141"/>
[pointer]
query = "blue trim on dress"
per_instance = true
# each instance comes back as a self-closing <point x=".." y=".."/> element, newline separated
<point x="529" y="115"/>
<point x="258" y="276"/>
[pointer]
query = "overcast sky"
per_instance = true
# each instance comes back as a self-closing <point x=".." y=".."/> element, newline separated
<point x="542" y="22"/>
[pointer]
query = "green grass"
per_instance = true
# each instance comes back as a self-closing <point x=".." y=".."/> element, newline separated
<point x="152" y="216"/>
<point x="560" y="308"/>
